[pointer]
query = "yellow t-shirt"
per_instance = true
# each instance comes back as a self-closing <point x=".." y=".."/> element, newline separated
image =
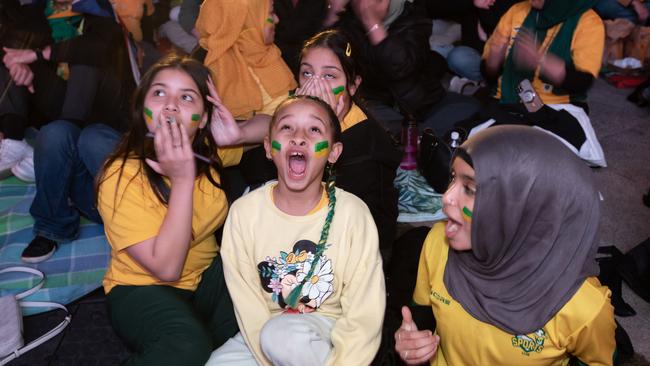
<point x="135" y="214"/>
<point x="587" y="46"/>
<point x="584" y="327"/>
<point x="354" y="116"/>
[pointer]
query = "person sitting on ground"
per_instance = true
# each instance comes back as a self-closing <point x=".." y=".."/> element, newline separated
<point x="402" y="79"/>
<point x="557" y="46"/>
<point x="59" y="68"/>
<point x="161" y="206"/>
<point x="67" y="156"/>
<point x="366" y="168"/>
<point x="251" y="76"/>
<point x="301" y="258"/>
<point x="635" y="11"/>
<point x="514" y="266"/>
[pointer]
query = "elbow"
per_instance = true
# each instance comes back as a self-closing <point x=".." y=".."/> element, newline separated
<point x="168" y="274"/>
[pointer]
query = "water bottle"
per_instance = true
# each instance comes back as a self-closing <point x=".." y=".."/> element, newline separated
<point x="410" y="141"/>
<point x="455" y="140"/>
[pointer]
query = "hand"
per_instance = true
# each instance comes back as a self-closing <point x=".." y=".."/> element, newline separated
<point x="18" y="56"/>
<point x="224" y="128"/>
<point x="22" y="75"/>
<point x="414" y="346"/>
<point x="483" y="4"/>
<point x="334" y="7"/>
<point x="319" y="88"/>
<point x="173" y="151"/>
<point x="526" y="50"/>
<point x="370" y="12"/>
<point x="641" y="11"/>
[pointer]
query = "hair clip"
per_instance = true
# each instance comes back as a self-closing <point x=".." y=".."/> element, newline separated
<point x="348" y="50"/>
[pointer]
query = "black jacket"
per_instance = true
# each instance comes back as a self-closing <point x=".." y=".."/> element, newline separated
<point x="399" y="71"/>
<point x="367" y="168"/>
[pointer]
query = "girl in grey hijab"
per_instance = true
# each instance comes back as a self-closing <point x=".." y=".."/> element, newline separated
<point x="512" y="271"/>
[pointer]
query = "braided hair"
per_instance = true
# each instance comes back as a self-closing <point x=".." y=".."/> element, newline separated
<point x="294" y="297"/>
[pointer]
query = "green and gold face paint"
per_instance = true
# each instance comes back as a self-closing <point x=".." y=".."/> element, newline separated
<point x="338" y="91"/>
<point x="321" y="148"/>
<point x="195" y="119"/>
<point x="275" y="147"/>
<point x="467" y="214"/>
<point x="148" y="116"/>
<point x="269" y="20"/>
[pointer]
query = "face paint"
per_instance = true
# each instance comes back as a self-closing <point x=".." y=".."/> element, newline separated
<point x="195" y="119"/>
<point x="467" y="214"/>
<point x="148" y="116"/>
<point x="275" y="146"/>
<point x="269" y="20"/>
<point x="321" y="148"/>
<point x="338" y="90"/>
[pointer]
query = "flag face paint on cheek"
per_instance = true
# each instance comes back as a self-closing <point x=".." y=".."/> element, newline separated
<point x="195" y="119"/>
<point x="467" y="214"/>
<point x="148" y="116"/>
<point x="275" y="147"/>
<point x="321" y="148"/>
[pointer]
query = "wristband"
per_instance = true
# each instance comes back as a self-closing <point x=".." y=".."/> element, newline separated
<point x="373" y="28"/>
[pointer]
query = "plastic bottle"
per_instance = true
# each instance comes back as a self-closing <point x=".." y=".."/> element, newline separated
<point x="455" y="140"/>
<point x="410" y="141"/>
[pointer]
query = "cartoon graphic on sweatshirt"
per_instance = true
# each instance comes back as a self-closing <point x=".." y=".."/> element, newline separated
<point x="281" y="275"/>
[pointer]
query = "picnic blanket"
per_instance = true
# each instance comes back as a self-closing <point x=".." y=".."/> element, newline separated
<point x="76" y="268"/>
<point x="417" y="201"/>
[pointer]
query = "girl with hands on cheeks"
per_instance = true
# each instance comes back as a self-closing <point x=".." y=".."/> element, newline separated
<point x="161" y="201"/>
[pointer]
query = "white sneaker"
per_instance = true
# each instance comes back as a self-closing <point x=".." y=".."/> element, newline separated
<point x="24" y="170"/>
<point x="462" y="85"/>
<point x="11" y="152"/>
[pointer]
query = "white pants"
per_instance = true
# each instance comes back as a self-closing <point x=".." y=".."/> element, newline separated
<point x="286" y="340"/>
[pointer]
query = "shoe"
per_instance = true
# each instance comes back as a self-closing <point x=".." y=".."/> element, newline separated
<point x="463" y="86"/>
<point x="39" y="250"/>
<point x="11" y="152"/>
<point x="24" y="170"/>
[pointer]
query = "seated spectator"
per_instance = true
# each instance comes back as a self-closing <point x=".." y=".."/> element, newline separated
<point x="298" y="20"/>
<point x="514" y="266"/>
<point x="160" y="205"/>
<point x="477" y="23"/>
<point x="251" y="77"/>
<point x="55" y="63"/>
<point x="402" y="78"/>
<point x="367" y="165"/>
<point x="179" y="29"/>
<point x="300" y="257"/>
<point x="557" y="46"/>
<point x="635" y="11"/>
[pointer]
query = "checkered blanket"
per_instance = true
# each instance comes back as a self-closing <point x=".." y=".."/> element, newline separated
<point x="76" y="268"/>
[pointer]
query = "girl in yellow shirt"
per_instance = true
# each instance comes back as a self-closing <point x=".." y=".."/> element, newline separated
<point x="510" y="276"/>
<point x="161" y="200"/>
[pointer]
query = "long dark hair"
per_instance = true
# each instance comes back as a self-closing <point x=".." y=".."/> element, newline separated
<point x="137" y="146"/>
<point x="339" y="43"/>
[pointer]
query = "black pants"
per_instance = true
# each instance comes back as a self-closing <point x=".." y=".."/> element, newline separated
<point x="55" y="98"/>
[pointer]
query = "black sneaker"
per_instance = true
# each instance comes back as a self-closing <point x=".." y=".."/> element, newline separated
<point x="39" y="249"/>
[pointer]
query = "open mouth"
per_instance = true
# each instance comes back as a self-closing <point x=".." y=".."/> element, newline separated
<point x="452" y="227"/>
<point x="297" y="163"/>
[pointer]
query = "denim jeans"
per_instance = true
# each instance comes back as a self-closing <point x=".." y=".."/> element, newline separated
<point x="66" y="161"/>
<point x="611" y="9"/>
<point x="466" y="62"/>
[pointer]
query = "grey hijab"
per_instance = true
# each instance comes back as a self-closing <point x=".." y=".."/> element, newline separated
<point x="533" y="230"/>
